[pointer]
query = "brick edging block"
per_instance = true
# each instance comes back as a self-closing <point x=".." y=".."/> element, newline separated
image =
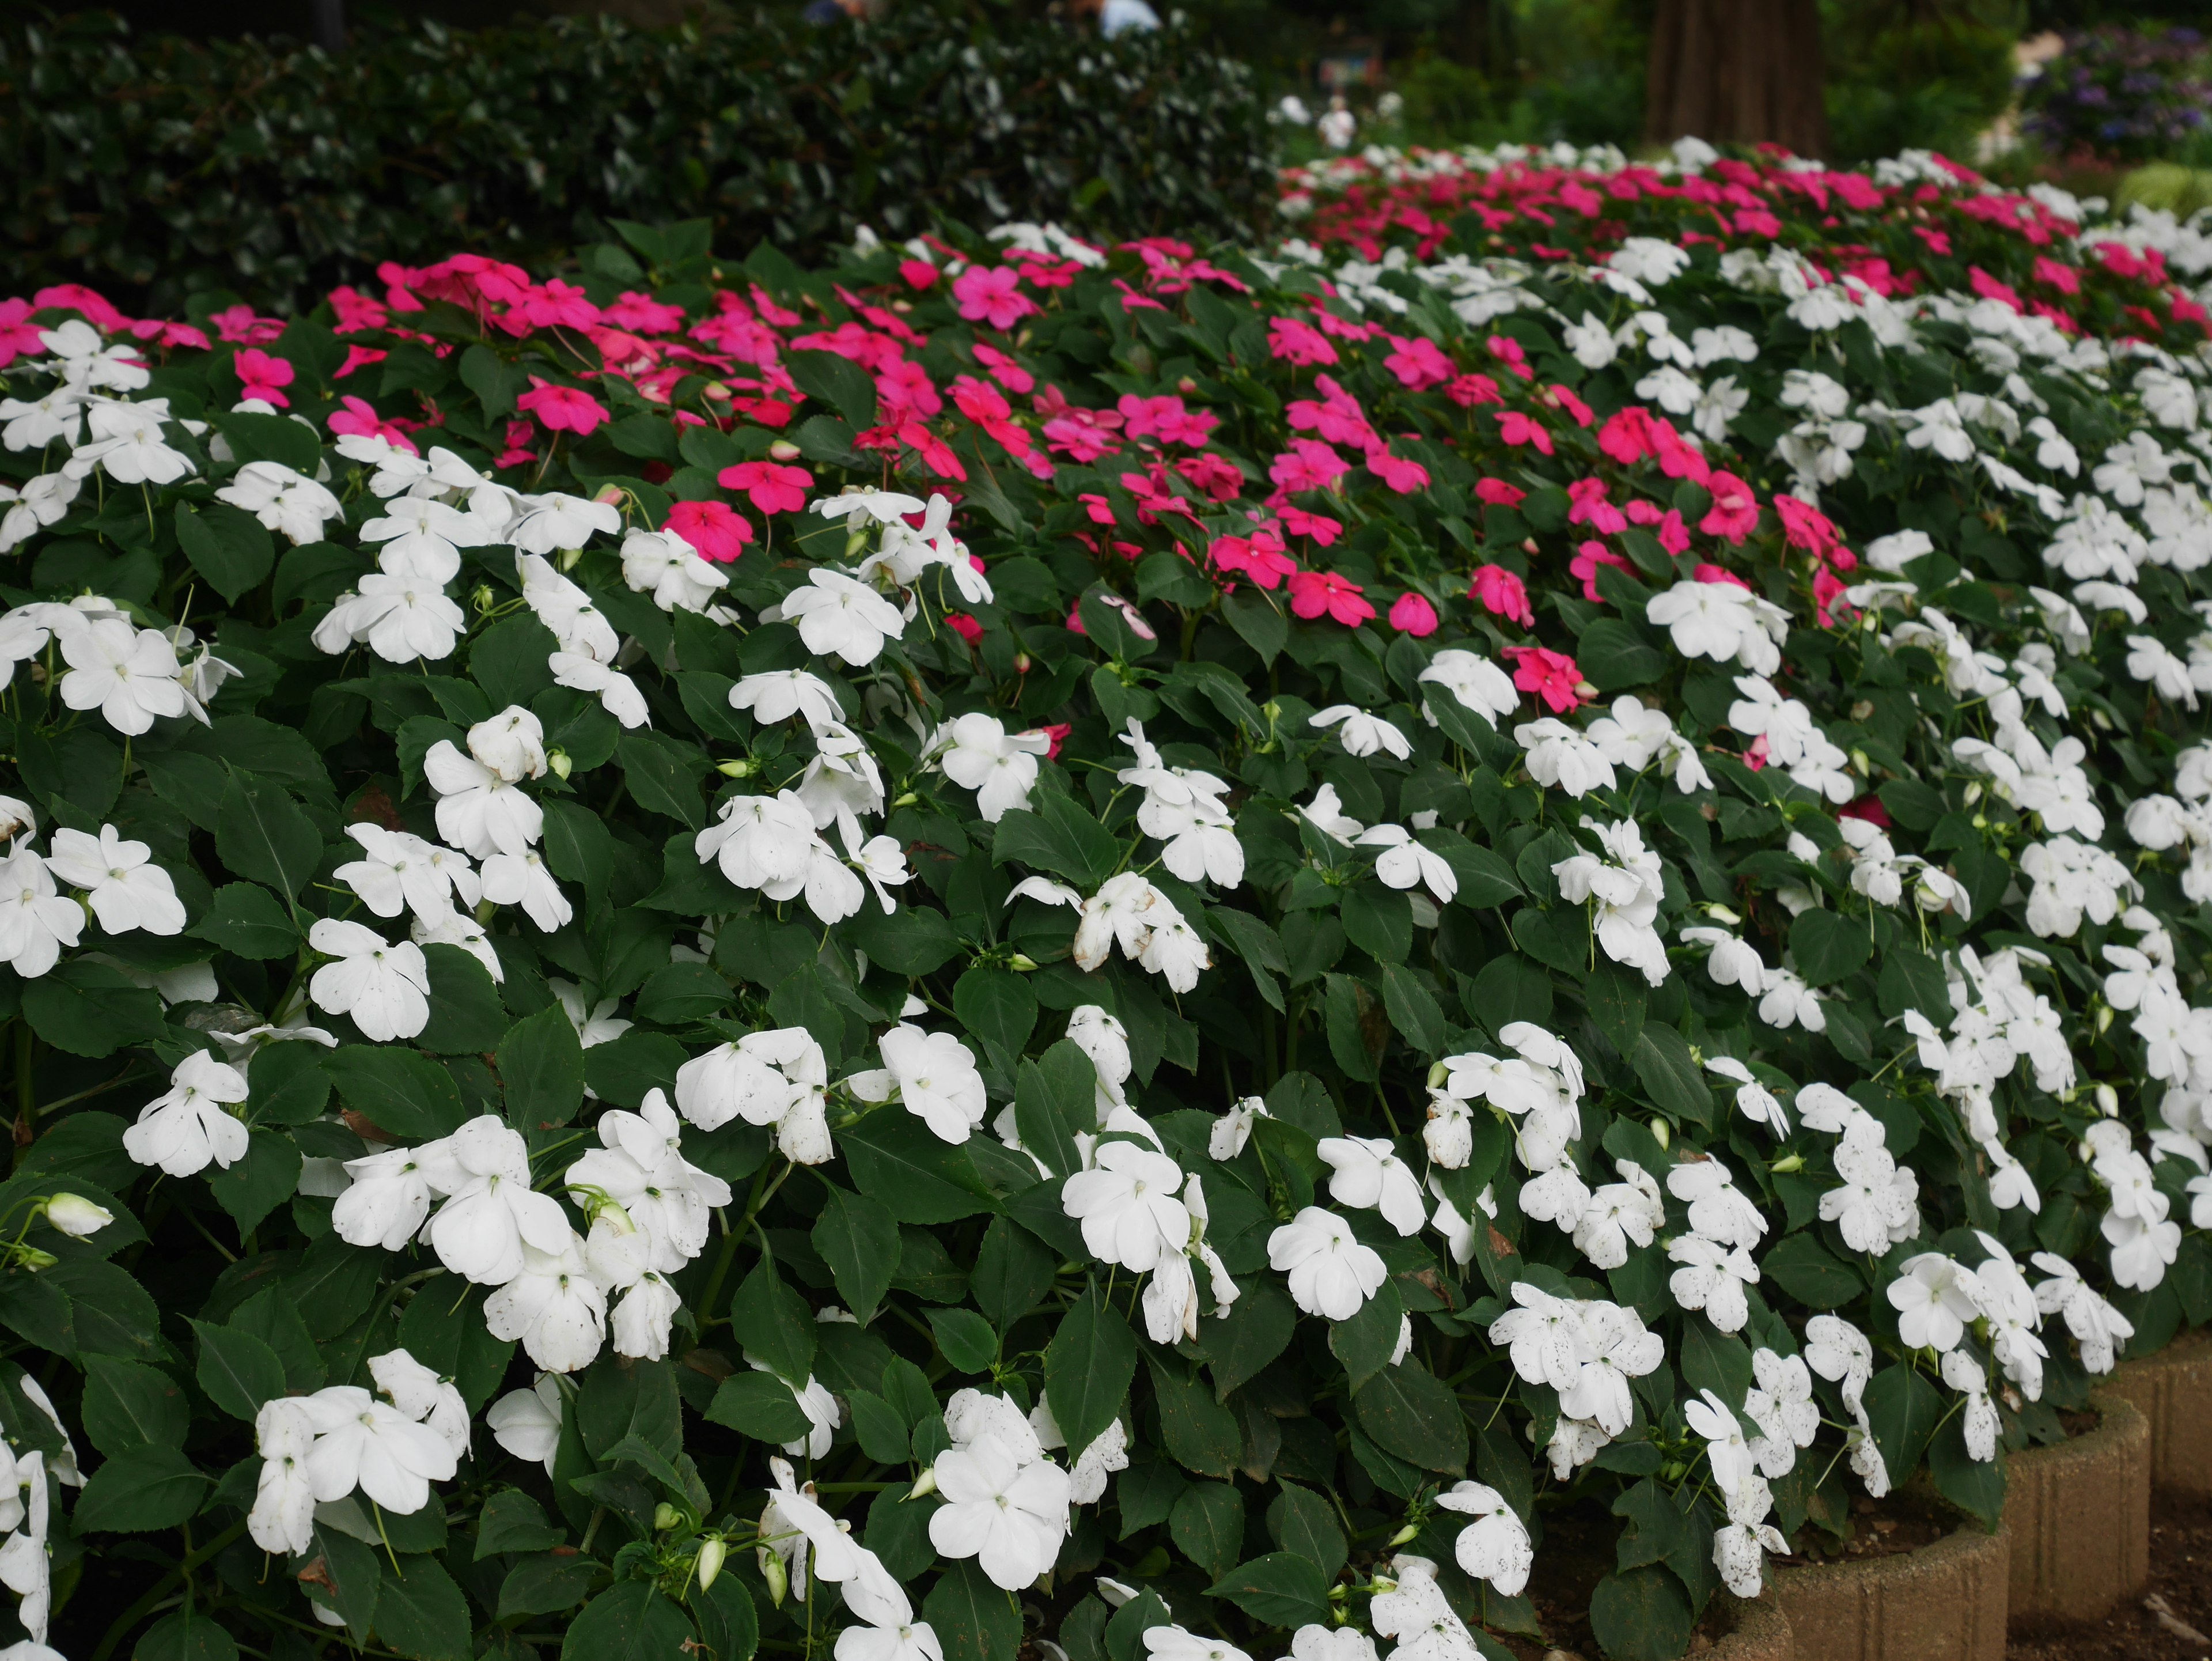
<point x="1943" y="1603"/>
<point x="2078" y="1515"/>
<point x="2173" y="1388"/>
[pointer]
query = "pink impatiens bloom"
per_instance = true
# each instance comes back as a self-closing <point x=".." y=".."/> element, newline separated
<point x="1734" y="513"/>
<point x="1629" y="436"/>
<point x="1259" y="557"/>
<point x="1497" y="493"/>
<point x="1292" y="341"/>
<point x="356" y="311"/>
<point x="992" y="295"/>
<point x="1314" y="593"/>
<point x="1517" y="428"/>
<point x="1806" y="526"/>
<point x="1418" y="364"/>
<point x="517" y="453"/>
<point x="717" y="530"/>
<point x="1502" y="595"/>
<point x="1320" y="527"/>
<point x="1588" y="506"/>
<point x="561" y="409"/>
<point x="771" y="487"/>
<point x="1412" y="614"/>
<point x="359" y="357"/>
<point x="1565" y="397"/>
<point x="238" y="324"/>
<point x="357" y="416"/>
<point x="1401" y="474"/>
<point x="1584" y="564"/>
<point x="1708" y="572"/>
<point x="1552" y="676"/>
<point x="965" y="626"/>
<point x="1508" y="352"/>
<point x="1827" y="597"/>
<point x="1308" y="465"/>
<point x="262" y="376"/>
<point x="1216" y="476"/>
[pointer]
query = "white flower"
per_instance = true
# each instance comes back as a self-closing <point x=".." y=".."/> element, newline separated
<point x="553" y="1306"/>
<point x="188" y="1128"/>
<point x="384" y="987"/>
<point x="1331" y="1273"/>
<point x="838" y="614"/>
<point x="1405" y="863"/>
<point x="421" y="1395"/>
<point x="125" y="888"/>
<point x="400" y="617"/>
<point x="642" y="1169"/>
<point x="1620" y="1348"/>
<point x="2100" y="1329"/>
<point x="1712" y="1278"/>
<point x="1624" y="887"/>
<point x="933" y="1074"/>
<point x="492" y="1215"/>
<point x="389" y="1197"/>
<point x="282" y="500"/>
<point x="1367" y="1175"/>
<point x="1415" y="1612"/>
<point x="283" y="1515"/>
<point x="1631" y="1210"/>
<point x="1479" y="685"/>
<point x="1561" y="758"/>
<point x="1934" y="1297"/>
<point x="527" y="1423"/>
<point x="1753" y="1099"/>
<point x="1721" y="621"/>
<point x="977" y="753"/>
<point x="1725" y="1447"/>
<point x="34" y="923"/>
<point x="761" y="841"/>
<point x="1740" y="1546"/>
<point x="1718" y="1209"/>
<point x="1008" y="1516"/>
<point x="775" y="695"/>
<point x="1839" y="1353"/>
<point x="1781" y="1405"/>
<point x="128" y="674"/>
<point x="1547" y="1340"/>
<point x="362" y="1443"/>
<point x="771" y="1078"/>
<point x="1174" y="1644"/>
<point x="512" y="743"/>
<point x="2144" y="1247"/>
<point x="1980" y="1422"/>
<point x="523" y="879"/>
<point x="666" y="566"/>
<point x="1363" y="734"/>
<point x="1495" y="1546"/>
<point x="617" y="692"/>
<point x="400" y="872"/>
<point x="478" y="812"/>
<point x="554" y="522"/>
<point x="1126" y="1203"/>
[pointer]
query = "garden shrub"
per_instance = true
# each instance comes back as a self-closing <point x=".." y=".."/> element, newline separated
<point x="2120" y="93"/>
<point x="160" y="166"/>
<point x="1154" y="952"/>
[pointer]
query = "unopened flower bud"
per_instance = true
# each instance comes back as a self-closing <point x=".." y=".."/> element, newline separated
<point x="609" y="494"/>
<point x="76" y="1216"/>
<point x="1973" y="795"/>
<point x="741" y="769"/>
<point x="924" y="1485"/>
<point x="1021" y="962"/>
<point x="483" y="600"/>
<point x="1584" y="689"/>
<point x="33" y="1259"/>
<point x="1021" y="663"/>
<point x="1789" y="1163"/>
<point x="906" y="800"/>
<point x="1437" y="1074"/>
<point x="716" y="390"/>
<point x="1661" y="1132"/>
<point x="1859" y="760"/>
<point x="559" y="762"/>
<point x="1405" y="1534"/>
<point x="710" y="1562"/>
<point x="569" y="556"/>
<point x="2108" y="1101"/>
<point x="2104" y="1018"/>
<point x="783" y="450"/>
<point x="772" y="1571"/>
<point x="665" y="1517"/>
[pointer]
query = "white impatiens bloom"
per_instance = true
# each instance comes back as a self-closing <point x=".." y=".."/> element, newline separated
<point x="190" y="1127"/>
<point x="283" y="1518"/>
<point x="1623" y="886"/>
<point x="1722" y="621"/>
<point x="423" y="1396"/>
<point x="1108" y="1453"/>
<point x="1634" y="736"/>
<point x="1753" y="1099"/>
<point x="2100" y="1329"/>
<point x="399" y="871"/>
<point x="1781" y="1405"/>
<point x="384" y="986"/>
<point x="1741" y="1545"/>
<point x="1630" y="1210"/>
<point x="1405" y="863"/>
<point x="1174" y="1644"/>
<point x="1980" y="1422"/>
<point x="838" y="614"/>
<point x="553" y="1306"/>
<point x="977" y="753"/>
<point x="35" y="922"/>
<point x="130" y="675"/>
<point x="363" y="1444"/>
<point x="1494" y="1546"/>
<point x="932" y="1075"/>
<point x="479" y="812"/>
<point x="1718" y="1209"/>
<point x="1332" y="1273"/>
<point x="1726" y="1448"/>
<point x="1621" y="1348"/>
<point x="662" y="564"/>
<point x="1009" y="1515"/>
<point x="282" y="500"/>
<point x="761" y="841"/>
<point x="1415" y="1611"/>
<point x="1233" y="1129"/>
<point x="1129" y="1206"/>
<point x="641" y="1168"/>
<point x="1546" y="1337"/>
<point x="777" y="695"/>
<point x="1367" y="1175"/>
<point x="527" y="1423"/>
<point x="1363" y="733"/>
<point x="1479" y="685"/>
<point x="492" y="1216"/>
<point x="1841" y="1354"/>
<point x="1559" y="757"/>
<point x="1934" y="1297"/>
<point x="1711" y="1277"/>
<point x="778" y="1077"/>
<point x="124" y="887"/>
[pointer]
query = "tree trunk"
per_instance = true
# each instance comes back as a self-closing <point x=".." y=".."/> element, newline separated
<point x="1743" y="70"/>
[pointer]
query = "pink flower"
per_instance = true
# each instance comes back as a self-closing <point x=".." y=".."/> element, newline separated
<point x="1827" y="596"/>
<point x="1057" y="731"/>
<point x="1004" y="370"/>
<point x="1418" y="364"/>
<point x="1706" y="571"/>
<point x="1677" y="459"/>
<point x="1259" y="557"/>
<point x="1497" y="493"/>
<point x="965" y="626"/>
<point x="1291" y="341"/>
<point x="1584" y="564"/>
<point x="1590" y="508"/>
<point x="1154" y="496"/>
<point x="262" y="376"/>
<point x="2051" y="273"/>
<point x="1673" y="535"/>
<point x="1412" y="614"/>
<point x="1628" y="436"/>
<point x="517" y="453"/>
<point x="1166" y="419"/>
<point x="1401" y="474"/>
<point x="1216" y="476"/>
<point x="1806" y="526"/>
<point x="1308" y="465"/>
<point x="19" y="335"/>
<point x="1502" y="595"/>
<point x="96" y="309"/>
<point x="1990" y="288"/>
<point x="1099" y="510"/>
<point x="717" y="530"/>
<point x="771" y="487"/>
<point x="992" y="295"/>
<point x="1508" y="352"/>
<point x="1320" y="527"/>
<point x="918" y="273"/>
<point x="1517" y="428"/>
<point x="1469" y="390"/>
<point x="1079" y="439"/>
<point x="357" y="416"/>
<point x="356" y="311"/>
<point x="359" y="357"/>
<point x="1755" y="757"/>
<point x="1565" y="397"/>
<point x="1312" y="593"/>
<point x="561" y="409"/>
<point x="1734" y="513"/>
<point x="1552" y="676"/>
<point x="239" y="324"/>
<point x="1336" y="416"/>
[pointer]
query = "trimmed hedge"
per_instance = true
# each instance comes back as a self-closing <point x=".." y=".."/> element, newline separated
<point x="165" y="166"/>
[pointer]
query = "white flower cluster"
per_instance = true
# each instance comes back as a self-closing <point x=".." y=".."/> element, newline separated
<point x="1591" y="1352"/>
<point x="1623" y="888"/>
<point x="1539" y="1088"/>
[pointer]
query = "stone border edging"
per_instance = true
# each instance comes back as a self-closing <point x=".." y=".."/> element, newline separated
<point x="2174" y="1388"/>
<point x="1762" y="1632"/>
<point x="1943" y="1603"/>
<point x="2079" y="1516"/>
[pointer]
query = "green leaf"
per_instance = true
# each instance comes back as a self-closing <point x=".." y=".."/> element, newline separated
<point x="997" y="1005"/>
<point x="186" y="1635"/>
<point x="1056" y="836"/>
<point x="1256" y="1329"/>
<point x="421" y="1613"/>
<point x="1643" y="1614"/>
<point x="227" y="546"/>
<point x="1207" y="1522"/>
<point x="679" y="994"/>
<point x="279" y="438"/>
<point x="1411" y="1414"/>
<point x="837" y="381"/>
<point x="138" y="1491"/>
<point x="250" y="922"/>
<point x="512" y="1521"/>
<point x="1054" y="1102"/>
<point x="541" y="1062"/>
<point x="90" y="1009"/>
<point x="660" y="781"/>
<point x="965" y="1339"/>
<point x="1379" y="921"/>
<point x="630" y="1622"/>
<point x="401" y="1091"/>
<point x="1281" y="1589"/>
<point x="1615" y="997"/>
<point x="492" y="379"/>
<point x="773" y="1323"/>
<point x="252" y="1188"/>
<point x="1366" y="1342"/>
<point x="1411" y="1008"/>
<point x="1613" y="653"/>
<point x="547" y="1585"/>
<point x="1803" y="1268"/>
<point x="1200" y="1434"/>
<point x="1345" y="1004"/>
<point x="1828" y="947"/>
<point x="1013" y="1270"/>
<point x="1088" y="1367"/>
<point x="895" y="1159"/>
<point x="727" y="1620"/>
<point x="759" y="1405"/>
<point x="1670" y="1073"/>
<point x="290" y="1086"/>
<point x="914" y="940"/>
<point x="1304" y="1524"/>
<point x="1977" y="1486"/>
<point x="237" y="1370"/>
<point x="974" y="1619"/>
<point x="271" y="1317"/>
<point x="881" y="1432"/>
<point x="1714" y="1360"/>
<point x="129" y="1406"/>
<point x="859" y="1238"/>
<point x="466" y="1015"/>
<point x="1903" y="1407"/>
<point x="262" y="834"/>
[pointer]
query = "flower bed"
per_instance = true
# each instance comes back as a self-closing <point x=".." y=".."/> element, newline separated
<point x="1025" y="943"/>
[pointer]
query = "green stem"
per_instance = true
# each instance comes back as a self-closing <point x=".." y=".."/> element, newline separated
<point x="27" y="1097"/>
<point x="137" y="1611"/>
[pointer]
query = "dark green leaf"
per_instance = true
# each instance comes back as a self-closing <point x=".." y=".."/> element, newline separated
<point x="1281" y="1589"/>
<point x="1087" y="1369"/>
<point x="630" y="1622"/>
<point x="401" y="1090"/>
<point x="263" y="836"/>
<point x="541" y="1062"/>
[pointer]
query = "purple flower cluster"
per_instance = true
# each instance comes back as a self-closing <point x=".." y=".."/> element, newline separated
<point x="2125" y="93"/>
